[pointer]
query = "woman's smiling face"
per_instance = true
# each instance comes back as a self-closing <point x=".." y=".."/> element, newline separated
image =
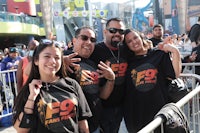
<point x="49" y="62"/>
<point x="134" y="42"/>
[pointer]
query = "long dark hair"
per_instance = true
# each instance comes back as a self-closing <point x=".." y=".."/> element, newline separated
<point x="34" y="74"/>
<point x="144" y="41"/>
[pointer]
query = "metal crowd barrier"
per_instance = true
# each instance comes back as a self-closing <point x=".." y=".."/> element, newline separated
<point x="189" y="104"/>
<point x="6" y="94"/>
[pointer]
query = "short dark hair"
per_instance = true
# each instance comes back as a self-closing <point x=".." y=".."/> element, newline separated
<point x="113" y="19"/>
<point x="77" y="32"/>
<point x="157" y="25"/>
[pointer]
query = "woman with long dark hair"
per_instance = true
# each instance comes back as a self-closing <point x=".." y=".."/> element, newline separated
<point x="49" y="101"/>
<point x="148" y="75"/>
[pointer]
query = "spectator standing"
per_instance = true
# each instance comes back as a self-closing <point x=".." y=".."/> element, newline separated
<point x="24" y="66"/>
<point x="111" y="51"/>
<point x="88" y="75"/>
<point x="50" y="101"/>
<point x="194" y="34"/>
<point x="23" y="51"/>
<point x="157" y="34"/>
<point x="194" y="57"/>
<point x="1" y="56"/>
<point x="187" y="44"/>
<point x="147" y="79"/>
<point x="9" y="63"/>
<point x="174" y="38"/>
<point x="6" y="52"/>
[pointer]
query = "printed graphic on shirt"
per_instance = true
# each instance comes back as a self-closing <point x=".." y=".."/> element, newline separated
<point x="56" y="112"/>
<point x="119" y="69"/>
<point x="88" y="78"/>
<point x="144" y="77"/>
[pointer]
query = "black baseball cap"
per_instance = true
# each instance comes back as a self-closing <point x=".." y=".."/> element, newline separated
<point x="13" y="50"/>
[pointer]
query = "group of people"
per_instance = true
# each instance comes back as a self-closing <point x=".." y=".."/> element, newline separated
<point x="124" y="76"/>
<point x="11" y="59"/>
<point x="9" y="62"/>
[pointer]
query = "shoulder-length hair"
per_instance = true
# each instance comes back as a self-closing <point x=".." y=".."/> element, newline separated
<point x="146" y="43"/>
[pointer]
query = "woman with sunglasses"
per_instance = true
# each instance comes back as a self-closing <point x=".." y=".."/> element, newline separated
<point x="49" y="101"/>
<point x="148" y="74"/>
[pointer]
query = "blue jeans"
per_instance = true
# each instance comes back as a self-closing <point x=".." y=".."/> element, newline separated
<point x="110" y="119"/>
<point x="97" y="130"/>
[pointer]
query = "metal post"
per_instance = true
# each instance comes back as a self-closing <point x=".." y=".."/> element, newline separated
<point x="90" y="13"/>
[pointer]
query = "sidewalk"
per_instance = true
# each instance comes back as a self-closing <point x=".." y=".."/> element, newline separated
<point x="12" y="130"/>
<point x="7" y="130"/>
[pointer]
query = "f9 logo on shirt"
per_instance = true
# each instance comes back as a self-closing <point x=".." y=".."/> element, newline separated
<point x="119" y="69"/>
<point x="64" y="108"/>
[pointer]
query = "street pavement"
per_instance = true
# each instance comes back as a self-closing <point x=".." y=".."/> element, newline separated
<point x="7" y="130"/>
<point x="12" y="130"/>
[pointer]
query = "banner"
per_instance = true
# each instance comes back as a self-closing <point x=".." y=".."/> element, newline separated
<point x="85" y="13"/>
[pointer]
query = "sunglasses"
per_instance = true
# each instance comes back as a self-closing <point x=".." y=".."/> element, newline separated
<point x="85" y="38"/>
<point x="114" y="30"/>
<point x="50" y="42"/>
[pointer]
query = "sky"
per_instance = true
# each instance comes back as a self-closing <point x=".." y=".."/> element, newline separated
<point x="138" y="3"/>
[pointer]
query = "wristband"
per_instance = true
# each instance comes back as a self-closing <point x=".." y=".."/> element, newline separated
<point x="31" y="100"/>
<point x="28" y="108"/>
<point x="110" y="80"/>
<point x="27" y="121"/>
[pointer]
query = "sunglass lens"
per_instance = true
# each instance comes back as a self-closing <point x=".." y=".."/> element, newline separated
<point x="84" y="38"/>
<point x="59" y="44"/>
<point x="46" y="41"/>
<point x="112" y="30"/>
<point x="93" y="39"/>
<point x="121" y="32"/>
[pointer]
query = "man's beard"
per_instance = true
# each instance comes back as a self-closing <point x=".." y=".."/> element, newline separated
<point x="115" y="43"/>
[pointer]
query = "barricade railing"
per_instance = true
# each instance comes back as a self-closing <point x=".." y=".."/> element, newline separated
<point x="7" y="98"/>
<point x="190" y="106"/>
<point x="6" y="95"/>
<point x="190" y="67"/>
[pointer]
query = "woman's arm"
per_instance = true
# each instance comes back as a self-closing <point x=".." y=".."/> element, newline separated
<point x="175" y="56"/>
<point x="176" y="61"/>
<point x="83" y="126"/>
<point x="24" y="117"/>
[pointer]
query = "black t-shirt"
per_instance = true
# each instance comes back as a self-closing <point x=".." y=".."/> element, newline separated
<point x="146" y="88"/>
<point x="88" y="78"/>
<point x="155" y="41"/>
<point x="194" y="33"/>
<point x="59" y="107"/>
<point x="118" y="64"/>
<point x="197" y="60"/>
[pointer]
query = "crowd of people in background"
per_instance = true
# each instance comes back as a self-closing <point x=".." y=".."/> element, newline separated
<point x="126" y="75"/>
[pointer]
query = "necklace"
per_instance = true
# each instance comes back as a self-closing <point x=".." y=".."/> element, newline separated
<point x="118" y="55"/>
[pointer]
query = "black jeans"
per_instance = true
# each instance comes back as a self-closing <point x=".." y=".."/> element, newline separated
<point x="110" y="119"/>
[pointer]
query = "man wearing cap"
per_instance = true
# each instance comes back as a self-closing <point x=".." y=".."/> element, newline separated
<point x="11" y="62"/>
